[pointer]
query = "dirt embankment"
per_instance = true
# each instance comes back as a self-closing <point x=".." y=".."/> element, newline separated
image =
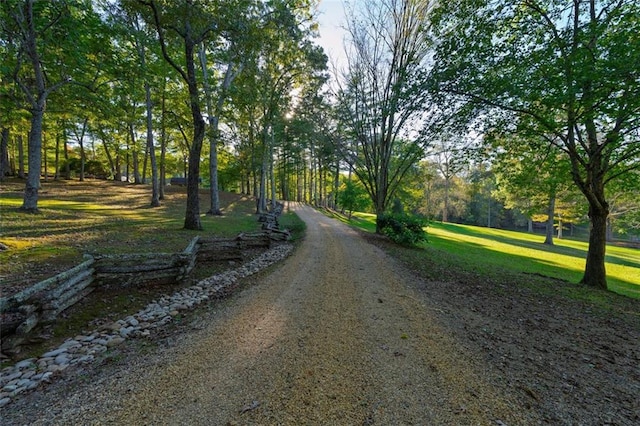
<point x="340" y="333"/>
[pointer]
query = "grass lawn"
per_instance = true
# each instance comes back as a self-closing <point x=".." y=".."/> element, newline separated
<point x="100" y="217"/>
<point x="491" y="251"/>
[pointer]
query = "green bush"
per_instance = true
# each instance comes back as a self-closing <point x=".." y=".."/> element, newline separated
<point x="403" y="229"/>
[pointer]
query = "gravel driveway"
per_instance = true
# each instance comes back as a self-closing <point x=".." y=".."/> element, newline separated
<point x="337" y="334"/>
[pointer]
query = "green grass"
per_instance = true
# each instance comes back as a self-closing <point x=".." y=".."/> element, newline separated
<point x="490" y="252"/>
<point x="295" y="225"/>
<point x="99" y="217"/>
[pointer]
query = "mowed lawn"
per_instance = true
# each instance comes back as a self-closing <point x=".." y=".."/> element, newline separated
<point x="488" y="251"/>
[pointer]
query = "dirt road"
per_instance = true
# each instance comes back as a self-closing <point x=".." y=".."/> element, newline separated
<point x="335" y="335"/>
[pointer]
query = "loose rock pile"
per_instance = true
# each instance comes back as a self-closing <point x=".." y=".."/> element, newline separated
<point x="31" y="373"/>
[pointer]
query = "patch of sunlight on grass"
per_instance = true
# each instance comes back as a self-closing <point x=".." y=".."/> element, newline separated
<point x="10" y="202"/>
<point x="487" y="250"/>
<point x="490" y="248"/>
<point x="366" y="221"/>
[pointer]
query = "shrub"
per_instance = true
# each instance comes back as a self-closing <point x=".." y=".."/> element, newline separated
<point x="403" y="229"/>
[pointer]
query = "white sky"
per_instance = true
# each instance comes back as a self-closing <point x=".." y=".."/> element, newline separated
<point x="331" y="19"/>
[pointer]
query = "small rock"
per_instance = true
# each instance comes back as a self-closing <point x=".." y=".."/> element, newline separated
<point x="55" y="368"/>
<point x="28" y="374"/>
<point x="23" y="383"/>
<point x="71" y="343"/>
<point x="62" y="359"/>
<point x="46" y="377"/>
<point x="4" y="401"/>
<point x="27" y="363"/>
<point x="12" y="376"/>
<point x="114" y="342"/>
<point x="54" y="353"/>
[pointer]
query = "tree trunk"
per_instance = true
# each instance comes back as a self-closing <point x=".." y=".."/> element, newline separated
<point x="163" y="142"/>
<point x="261" y="206"/>
<point x="81" y="143"/>
<point x="67" y="166"/>
<point x="550" y="214"/>
<point x="4" y="153"/>
<point x="272" y="172"/>
<point x="559" y="227"/>
<point x="445" y="210"/>
<point x="213" y="116"/>
<point x="155" y="192"/>
<point x="192" y="214"/>
<point x="20" y="143"/>
<point x="56" y="175"/>
<point x="45" y="171"/>
<point x="595" y="272"/>
<point x="213" y="168"/>
<point x="30" y="200"/>
<point x="336" y="184"/>
<point x="145" y="163"/>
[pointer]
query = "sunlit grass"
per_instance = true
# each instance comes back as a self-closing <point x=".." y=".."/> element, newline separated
<point x="98" y="217"/>
<point x="490" y="251"/>
<point x="489" y="248"/>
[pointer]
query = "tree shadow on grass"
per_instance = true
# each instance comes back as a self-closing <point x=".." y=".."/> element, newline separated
<point x="555" y="249"/>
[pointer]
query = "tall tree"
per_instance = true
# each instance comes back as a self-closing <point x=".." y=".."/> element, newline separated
<point x="448" y="153"/>
<point x="285" y="58"/>
<point x="192" y="23"/>
<point x="379" y="101"/>
<point x="51" y="41"/>
<point x="566" y="70"/>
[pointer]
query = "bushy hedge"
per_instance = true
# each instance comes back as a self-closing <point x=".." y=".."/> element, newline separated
<point x="402" y="228"/>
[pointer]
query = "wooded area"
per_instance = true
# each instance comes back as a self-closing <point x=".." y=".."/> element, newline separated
<point x="503" y="114"/>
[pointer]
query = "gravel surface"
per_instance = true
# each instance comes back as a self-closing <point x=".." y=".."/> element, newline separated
<point x="338" y="334"/>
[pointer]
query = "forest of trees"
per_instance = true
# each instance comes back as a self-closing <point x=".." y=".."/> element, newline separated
<point x="512" y="114"/>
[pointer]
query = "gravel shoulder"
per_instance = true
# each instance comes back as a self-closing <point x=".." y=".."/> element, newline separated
<point x="341" y="333"/>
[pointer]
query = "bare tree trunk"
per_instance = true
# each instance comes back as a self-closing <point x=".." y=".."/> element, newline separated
<point x="336" y="184"/>
<point x="595" y="274"/>
<point x="272" y="172"/>
<point x="445" y="210"/>
<point x="145" y="162"/>
<point x="155" y="191"/>
<point x="134" y="155"/>
<point x="67" y="166"/>
<point x="44" y="157"/>
<point x="213" y="118"/>
<point x="559" y="226"/>
<point x="30" y="200"/>
<point x="550" y="215"/>
<point x="163" y="143"/>
<point x="4" y="153"/>
<point x="264" y="171"/>
<point x="20" y="143"/>
<point x="56" y="176"/>
<point x="80" y="139"/>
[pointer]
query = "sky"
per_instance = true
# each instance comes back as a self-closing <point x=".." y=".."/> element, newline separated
<point x="331" y="18"/>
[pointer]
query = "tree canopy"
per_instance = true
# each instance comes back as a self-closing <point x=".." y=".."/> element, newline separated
<point x="566" y="72"/>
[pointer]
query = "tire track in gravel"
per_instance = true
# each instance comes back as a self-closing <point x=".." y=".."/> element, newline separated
<point x="333" y="336"/>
